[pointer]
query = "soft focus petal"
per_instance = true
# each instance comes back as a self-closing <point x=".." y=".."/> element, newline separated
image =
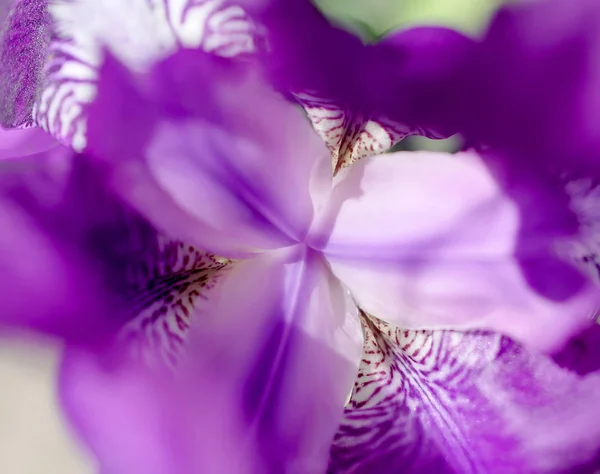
<point x="306" y="53"/>
<point x="21" y="143"/>
<point x="69" y="247"/>
<point x="137" y="420"/>
<point x="546" y="113"/>
<point x="582" y="354"/>
<point x="361" y="97"/>
<point x="24" y="39"/>
<point x="415" y="77"/>
<point x="287" y="336"/>
<point x="137" y="32"/>
<point x="45" y="283"/>
<point x="195" y="157"/>
<point x="432" y="241"/>
<point x="448" y="402"/>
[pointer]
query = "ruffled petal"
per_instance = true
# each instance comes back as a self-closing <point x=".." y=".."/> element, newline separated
<point x="137" y="420"/>
<point x="138" y="35"/>
<point x="22" y="143"/>
<point x="24" y="39"/>
<point x="432" y="241"/>
<point x="200" y="162"/>
<point x="360" y="98"/>
<point x="544" y="116"/>
<point x="447" y="402"/>
<point x="287" y="336"/>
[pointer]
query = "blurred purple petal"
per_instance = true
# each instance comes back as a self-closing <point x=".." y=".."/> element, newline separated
<point x="415" y="77"/>
<point x="21" y="143"/>
<point x="45" y="285"/>
<point x="454" y="252"/>
<point x="149" y="32"/>
<point x="447" y="402"/>
<point x="137" y="420"/>
<point x="287" y="336"/>
<point x="68" y="247"/>
<point x="190" y="152"/>
<point x="531" y="90"/>
<point x="582" y="353"/>
<point x="401" y="82"/>
<point x="24" y="39"/>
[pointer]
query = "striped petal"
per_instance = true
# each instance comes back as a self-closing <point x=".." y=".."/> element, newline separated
<point x="68" y="244"/>
<point x="350" y="90"/>
<point x="448" y="402"/>
<point x="167" y="290"/>
<point x="137" y="32"/>
<point x="350" y="135"/>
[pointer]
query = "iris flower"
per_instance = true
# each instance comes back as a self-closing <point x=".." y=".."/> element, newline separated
<point x="208" y="153"/>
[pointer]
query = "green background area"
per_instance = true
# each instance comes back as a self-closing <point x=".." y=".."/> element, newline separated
<point x="373" y="18"/>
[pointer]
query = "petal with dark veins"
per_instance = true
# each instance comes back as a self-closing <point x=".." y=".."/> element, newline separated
<point x="352" y="136"/>
<point x="449" y="402"/>
<point x="147" y="31"/>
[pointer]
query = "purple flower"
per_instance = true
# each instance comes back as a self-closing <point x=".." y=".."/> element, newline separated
<point x="291" y="227"/>
<point x="79" y="264"/>
<point x="206" y="151"/>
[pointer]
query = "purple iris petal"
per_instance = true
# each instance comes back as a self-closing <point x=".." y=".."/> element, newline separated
<point x="429" y="240"/>
<point x="69" y="241"/>
<point x="46" y="285"/>
<point x="582" y="353"/>
<point x="443" y="401"/>
<point x="286" y="334"/>
<point x="138" y="420"/>
<point x="531" y="89"/>
<point x="21" y="143"/>
<point x="226" y="178"/>
<point x="24" y="39"/>
<point x="149" y="31"/>
<point x="404" y="79"/>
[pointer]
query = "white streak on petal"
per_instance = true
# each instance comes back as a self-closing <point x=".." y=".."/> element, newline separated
<point x="137" y="32"/>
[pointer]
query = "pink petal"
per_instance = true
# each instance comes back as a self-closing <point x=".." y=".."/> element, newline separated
<point x="287" y="336"/>
<point x="431" y="241"/>
<point x="137" y="420"/>
<point x="209" y="170"/>
<point x="25" y="142"/>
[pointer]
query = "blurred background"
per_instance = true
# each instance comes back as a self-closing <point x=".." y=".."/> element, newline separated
<point x="33" y="437"/>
